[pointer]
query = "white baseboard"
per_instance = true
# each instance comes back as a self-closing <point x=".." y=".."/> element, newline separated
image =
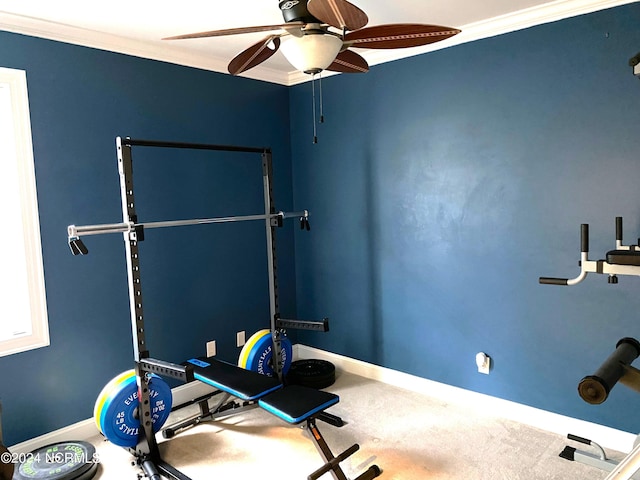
<point x="78" y="431"/>
<point x="542" y="419"/>
<point x="551" y="422"/>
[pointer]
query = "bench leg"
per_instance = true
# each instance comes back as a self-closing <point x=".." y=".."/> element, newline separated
<point x="332" y="463"/>
<point x="208" y="414"/>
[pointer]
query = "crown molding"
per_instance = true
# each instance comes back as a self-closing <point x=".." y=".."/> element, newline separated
<point x="549" y="12"/>
<point x="530" y="17"/>
<point x="170" y="53"/>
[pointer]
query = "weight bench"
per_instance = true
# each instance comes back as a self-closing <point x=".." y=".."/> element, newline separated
<point x="294" y="404"/>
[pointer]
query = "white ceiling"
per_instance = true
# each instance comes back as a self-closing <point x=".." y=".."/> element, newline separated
<point x="137" y="27"/>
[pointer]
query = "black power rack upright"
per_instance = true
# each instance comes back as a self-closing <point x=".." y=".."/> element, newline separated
<point x="146" y="451"/>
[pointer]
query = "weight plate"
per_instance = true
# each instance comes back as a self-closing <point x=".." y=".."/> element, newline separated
<point x="248" y="347"/>
<point x="106" y="391"/>
<point x="118" y="419"/>
<point x="257" y="354"/>
<point x="312" y="373"/>
<point x="73" y="460"/>
<point x="88" y="475"/>
<point x="260" y="358"/>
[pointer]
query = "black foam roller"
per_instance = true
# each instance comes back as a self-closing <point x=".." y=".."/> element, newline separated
<point x="595" y="388"/>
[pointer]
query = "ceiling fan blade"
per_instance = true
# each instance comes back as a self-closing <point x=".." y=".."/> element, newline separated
<point x="338" y="13"/>
<point x="236" y="31"/>
<point x="254" y="55"/>
<point x="349" y="62"/>
<point x="398" y="35"/>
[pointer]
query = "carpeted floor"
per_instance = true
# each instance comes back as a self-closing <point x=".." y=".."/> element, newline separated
<point x="409" y="435"/>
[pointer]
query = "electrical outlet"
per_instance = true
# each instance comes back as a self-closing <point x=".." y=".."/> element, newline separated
<point x="483" y="362"/>
<point x="240" y="339"/>
<point x="211" y="348"/>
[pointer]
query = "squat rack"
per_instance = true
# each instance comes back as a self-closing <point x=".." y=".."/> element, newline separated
<point x="146" y="451"/>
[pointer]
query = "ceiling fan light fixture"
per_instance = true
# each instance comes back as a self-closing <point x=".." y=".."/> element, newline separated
<point x="312" y="52"/>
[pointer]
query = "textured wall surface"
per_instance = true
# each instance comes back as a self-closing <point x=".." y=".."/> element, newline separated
<point x="445" y="184"/>
<point x="442" y="187"/>
<point x="199" y="283"/>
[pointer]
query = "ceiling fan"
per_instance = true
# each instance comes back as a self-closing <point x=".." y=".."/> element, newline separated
<point x="318" y="34"/>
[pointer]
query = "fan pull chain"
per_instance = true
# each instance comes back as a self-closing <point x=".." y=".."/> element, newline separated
<point x="313" y="110"/>
<point x="313" y="98"/>
<point x="320" y="83"/>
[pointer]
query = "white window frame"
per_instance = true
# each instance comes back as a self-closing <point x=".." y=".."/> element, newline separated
<point x="29" y="229"/>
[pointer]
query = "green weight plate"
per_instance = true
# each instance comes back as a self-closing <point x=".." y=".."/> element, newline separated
<point x="74" y="460"/>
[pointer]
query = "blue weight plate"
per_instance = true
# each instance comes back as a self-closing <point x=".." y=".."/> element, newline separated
<point x="260" y="356"/>
<point x="118" y="417"/>
<point x="106" y="391"/>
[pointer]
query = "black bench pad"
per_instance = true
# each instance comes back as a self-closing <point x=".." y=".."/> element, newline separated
<point x="624" y="257"/>
<point x="241" y="383"/>
<point x="295" y="403"/>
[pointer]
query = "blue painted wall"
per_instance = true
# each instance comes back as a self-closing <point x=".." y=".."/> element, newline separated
<point x="444" y="185"/>
<point x="198" y="284"/>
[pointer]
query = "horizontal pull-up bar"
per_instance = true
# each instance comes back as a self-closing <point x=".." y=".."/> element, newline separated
<point x="75" y="232"/>
<point x="193" y="146"/>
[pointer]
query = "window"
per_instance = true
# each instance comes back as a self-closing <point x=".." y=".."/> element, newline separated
<point x="23" y="307"/>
